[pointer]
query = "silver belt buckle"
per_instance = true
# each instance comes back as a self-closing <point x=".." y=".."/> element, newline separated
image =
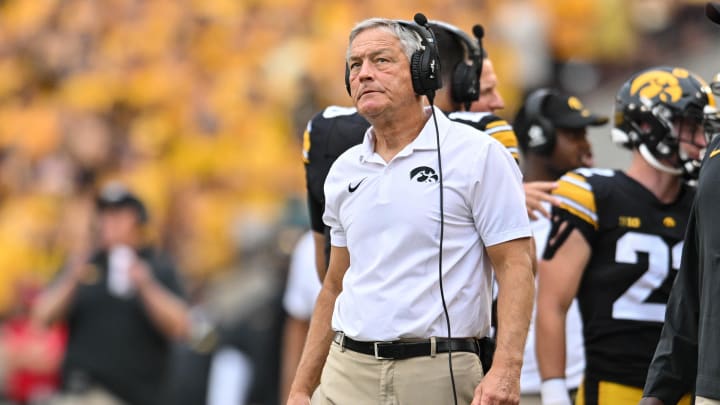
<point x="377" y="356"/>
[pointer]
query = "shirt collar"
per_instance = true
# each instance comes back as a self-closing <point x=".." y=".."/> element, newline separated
<point x="426" y="140"/>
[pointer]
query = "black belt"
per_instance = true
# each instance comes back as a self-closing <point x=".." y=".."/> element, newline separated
<point x="399" y="350"/>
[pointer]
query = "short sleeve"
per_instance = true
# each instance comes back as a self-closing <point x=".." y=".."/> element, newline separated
<point x="498" y="199"/>
<point x="578" y="205"/>
<point x="331" y="217"/>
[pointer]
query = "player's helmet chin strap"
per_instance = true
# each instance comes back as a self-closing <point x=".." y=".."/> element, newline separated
<point x="652" y="161"/>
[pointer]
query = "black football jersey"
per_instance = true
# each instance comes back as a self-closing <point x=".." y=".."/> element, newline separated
<point x="636" y="243"/>
<point x="327" y="136"/>
<point x="493" y="125"/>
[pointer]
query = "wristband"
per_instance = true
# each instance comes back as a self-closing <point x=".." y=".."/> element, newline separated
<point x="554" y="392"/>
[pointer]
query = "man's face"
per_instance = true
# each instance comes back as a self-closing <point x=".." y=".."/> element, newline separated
<point x="118" y="226"/>
<point x="572" y="150"/>
<point x="490" y="99"/>
<point x="379" y="73"/>
<point x="691" y="134"/>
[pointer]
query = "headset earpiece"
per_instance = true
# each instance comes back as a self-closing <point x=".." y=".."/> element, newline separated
<point x="465" y="86"/>
<point x="424" y="63"/>
<point x="541" y="131"/>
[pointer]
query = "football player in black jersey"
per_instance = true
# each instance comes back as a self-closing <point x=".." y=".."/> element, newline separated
<point x="616" y="240"/>
<point x="686" y="357"/>
<point x="335" y="129"/>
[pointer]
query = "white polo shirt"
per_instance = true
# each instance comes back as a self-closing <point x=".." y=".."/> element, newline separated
<point x="388" y="216"/>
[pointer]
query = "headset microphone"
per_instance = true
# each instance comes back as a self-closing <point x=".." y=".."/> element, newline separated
<point x="420" y="19"/>
<point x="479" y="33"/>
<point x="712" y="11"/>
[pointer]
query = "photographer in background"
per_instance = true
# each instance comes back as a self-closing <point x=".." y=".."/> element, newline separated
<point x="122" y="309"/>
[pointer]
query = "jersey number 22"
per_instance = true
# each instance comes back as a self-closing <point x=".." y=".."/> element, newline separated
<point x="631" y="304"/>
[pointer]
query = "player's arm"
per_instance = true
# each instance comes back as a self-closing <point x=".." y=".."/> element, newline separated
<point x="320" y="334"/>
<point x="558" y="281"/>
<point x="567" y="253"/>
<point x="514" y="263"/>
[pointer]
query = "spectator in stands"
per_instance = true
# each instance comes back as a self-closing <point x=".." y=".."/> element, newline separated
<point x="123" y="307"/>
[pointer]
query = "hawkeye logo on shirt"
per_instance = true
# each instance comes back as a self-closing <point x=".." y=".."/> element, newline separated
<point x="424" y="174"/>
<point x="714" y="152"/>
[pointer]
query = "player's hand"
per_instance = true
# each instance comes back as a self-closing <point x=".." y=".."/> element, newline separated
<point x="535" y="193"/>
<point x="298" y="399"/>
<point x="500" y="386"/>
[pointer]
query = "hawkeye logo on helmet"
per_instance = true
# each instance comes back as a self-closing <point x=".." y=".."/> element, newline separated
<point x="660" y="85"/>
<point x="575" y="104"/>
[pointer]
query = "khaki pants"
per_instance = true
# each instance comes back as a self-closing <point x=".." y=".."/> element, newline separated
<point x="706" y="401"/>
<point x="354" y="378"/>
<point x="94" y="396"/>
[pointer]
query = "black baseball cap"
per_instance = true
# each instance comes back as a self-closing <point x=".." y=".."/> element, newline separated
<point x="562" y="111"/>
<point x="569" y="112"/>
<point x="117" y="195"/>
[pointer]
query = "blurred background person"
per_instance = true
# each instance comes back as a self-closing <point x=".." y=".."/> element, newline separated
<point x="298" y="301"/>
<point x="552" y="134"/>
<point x="122" y="307"/>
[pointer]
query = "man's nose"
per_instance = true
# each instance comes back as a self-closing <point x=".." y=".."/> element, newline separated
<point x="497" y="101"/>
<point x="366" y="70"/>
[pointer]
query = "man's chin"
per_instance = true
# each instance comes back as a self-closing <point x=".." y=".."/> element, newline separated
<point x="369" y="109"/>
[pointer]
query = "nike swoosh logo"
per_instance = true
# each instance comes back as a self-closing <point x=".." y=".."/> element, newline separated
<point x="352" y="189"/>
<point x="715" y="152"/>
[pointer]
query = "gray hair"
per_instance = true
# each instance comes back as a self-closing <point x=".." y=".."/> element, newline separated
<point x="410" y="40"/>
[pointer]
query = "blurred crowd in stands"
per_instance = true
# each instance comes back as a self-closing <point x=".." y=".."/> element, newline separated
<point x="198" y="106"/>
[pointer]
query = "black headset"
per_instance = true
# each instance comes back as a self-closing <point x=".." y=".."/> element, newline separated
<point x="541" y="131"/>
<point x="424" y="63"/>
<point x="466" y="77"/>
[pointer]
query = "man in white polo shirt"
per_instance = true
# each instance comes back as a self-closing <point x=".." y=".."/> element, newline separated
<point x="380" y="313"/>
